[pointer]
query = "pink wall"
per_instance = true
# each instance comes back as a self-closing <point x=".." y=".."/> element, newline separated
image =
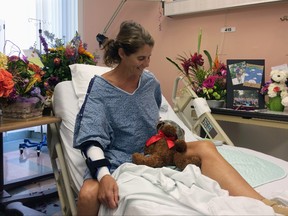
<point x="259" y="33"/>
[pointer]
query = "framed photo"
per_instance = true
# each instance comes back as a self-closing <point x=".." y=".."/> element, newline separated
<point x="245" y="77"/>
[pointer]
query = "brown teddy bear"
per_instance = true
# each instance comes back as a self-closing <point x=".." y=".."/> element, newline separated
<point x="165" y="149"/>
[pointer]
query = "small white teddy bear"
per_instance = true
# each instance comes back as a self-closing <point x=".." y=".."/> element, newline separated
<point x="278" y="84"/>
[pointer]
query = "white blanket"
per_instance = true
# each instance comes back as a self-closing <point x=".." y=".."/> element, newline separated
<point x="164" y="191"/>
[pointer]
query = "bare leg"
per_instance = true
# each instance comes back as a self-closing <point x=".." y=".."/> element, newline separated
<point x="88" y="204"/>
<point x="217" y="168"/>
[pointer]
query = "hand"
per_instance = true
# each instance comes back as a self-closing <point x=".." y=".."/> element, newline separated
<point x="108" y="192"/>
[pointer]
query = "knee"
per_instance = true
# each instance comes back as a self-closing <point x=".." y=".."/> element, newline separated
<point x="89" y="191"/>
<point x="203" y="148"/>
<point x="207" y="145"/>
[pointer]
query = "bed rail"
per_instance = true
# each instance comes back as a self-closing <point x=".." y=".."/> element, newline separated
<point x="66" y="190"/>
<point x="204" y="125"/>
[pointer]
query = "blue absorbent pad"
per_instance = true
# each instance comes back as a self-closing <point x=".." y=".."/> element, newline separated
<point x="256" y="171"/>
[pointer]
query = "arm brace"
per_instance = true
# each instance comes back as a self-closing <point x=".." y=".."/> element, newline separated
<point x="96" y="162"/>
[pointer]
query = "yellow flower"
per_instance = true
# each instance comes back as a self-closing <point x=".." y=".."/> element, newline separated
<point x="3" y="61"/>
<point x="90" y="55"/>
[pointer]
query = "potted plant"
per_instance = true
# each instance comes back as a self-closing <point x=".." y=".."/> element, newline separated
<point x="208" y="82"/>
<point x="58" y="56"/>
<point x="20" y="87"/>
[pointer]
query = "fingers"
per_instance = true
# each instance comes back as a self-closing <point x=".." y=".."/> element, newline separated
<point x="114" y="199"/>
<point x="116" y="195"/>
<point x="108" y="194"/>
<point x="111" y="200"/>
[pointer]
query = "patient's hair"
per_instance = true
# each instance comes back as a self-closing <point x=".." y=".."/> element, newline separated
<point x="131" y="37"/>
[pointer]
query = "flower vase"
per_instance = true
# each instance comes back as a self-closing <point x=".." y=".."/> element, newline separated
<point x="275" y="104"/>
<point x="23" y="108"/>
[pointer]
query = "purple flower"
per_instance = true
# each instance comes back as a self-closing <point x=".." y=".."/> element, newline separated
<point x="13" y="58"/>
<point x="44" y="43"/>
<point x="53" y="81"/>
<point x="264" y="89"/>
<point x="25" y="59"/>
<point x="36" y="91"/>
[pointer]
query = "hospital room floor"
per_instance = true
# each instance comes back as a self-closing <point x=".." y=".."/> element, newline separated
<point x="19" y="167"/>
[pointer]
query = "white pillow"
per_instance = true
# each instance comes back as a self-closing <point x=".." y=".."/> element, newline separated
<point x="81" y="76"/>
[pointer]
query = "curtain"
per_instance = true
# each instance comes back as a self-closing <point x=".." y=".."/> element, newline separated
<point x="59" y="17"/>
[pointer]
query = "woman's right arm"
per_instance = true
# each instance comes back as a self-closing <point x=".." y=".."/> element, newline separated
<point x="96" y="162"/>
<point x="108" y="190"/>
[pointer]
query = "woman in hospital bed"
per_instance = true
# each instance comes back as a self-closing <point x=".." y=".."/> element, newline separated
<point x="120" y="112"/>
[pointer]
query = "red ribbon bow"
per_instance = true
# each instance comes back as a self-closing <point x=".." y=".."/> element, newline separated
<point x="160" y="135"/>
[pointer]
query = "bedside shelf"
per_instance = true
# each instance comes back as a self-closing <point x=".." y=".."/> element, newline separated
<point x="255" y="117"/>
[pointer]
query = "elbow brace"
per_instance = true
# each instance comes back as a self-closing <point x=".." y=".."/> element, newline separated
<point x="94" y="166"/>
<point x="96" y="161"/>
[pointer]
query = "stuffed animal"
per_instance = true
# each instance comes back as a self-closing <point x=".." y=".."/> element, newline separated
<point x="165" y="149"/>
<point x="278" y="84"/>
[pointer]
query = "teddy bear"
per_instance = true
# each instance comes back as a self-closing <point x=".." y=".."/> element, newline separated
<point x="279" y="85"/>
<point x="166" y="149"/>
<point x="278" y="78"/>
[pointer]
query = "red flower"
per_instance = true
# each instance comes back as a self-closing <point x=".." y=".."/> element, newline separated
<point x="276" y="89"/>
<point x="186" y="64"/>
<point x="197" y="60"/>
<point x="57" y="61"/>
<point x="193" y="62"/>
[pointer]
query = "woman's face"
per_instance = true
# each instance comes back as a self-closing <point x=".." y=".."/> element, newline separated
<point x="138" y="61"/>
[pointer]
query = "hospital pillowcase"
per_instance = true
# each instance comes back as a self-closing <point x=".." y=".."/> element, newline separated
<point x="81" y="76"/>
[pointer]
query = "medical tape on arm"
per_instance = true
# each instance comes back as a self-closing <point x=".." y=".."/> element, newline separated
<point x="97" y="163"/>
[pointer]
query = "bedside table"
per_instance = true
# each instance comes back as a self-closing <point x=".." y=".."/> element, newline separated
<point x="9" y="125"/>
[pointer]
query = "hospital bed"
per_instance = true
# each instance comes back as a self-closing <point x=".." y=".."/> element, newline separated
<point x="165" y="191"/>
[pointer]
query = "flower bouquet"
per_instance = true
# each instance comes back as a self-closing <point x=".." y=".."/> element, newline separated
<point x="210" y="82"/>
<point x="57" y="57"/>
<point x="20" y="87"/>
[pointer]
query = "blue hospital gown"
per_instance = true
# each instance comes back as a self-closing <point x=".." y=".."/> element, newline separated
<point x="121" y="122"/>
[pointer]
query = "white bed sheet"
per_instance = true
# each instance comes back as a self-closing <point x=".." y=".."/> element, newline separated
<point x="176" y="193"/>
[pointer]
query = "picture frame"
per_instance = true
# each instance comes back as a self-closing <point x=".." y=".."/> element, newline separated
<point x="245" y="78"/>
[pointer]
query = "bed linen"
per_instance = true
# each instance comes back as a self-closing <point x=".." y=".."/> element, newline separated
<point x="176" y="193"/>
<point x="67" y="99"/>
